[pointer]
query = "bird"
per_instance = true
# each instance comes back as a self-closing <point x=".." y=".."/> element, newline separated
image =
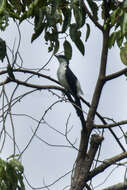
<point x="70" y="82"/>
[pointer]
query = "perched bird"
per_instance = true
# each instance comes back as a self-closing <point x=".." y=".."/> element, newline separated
<point x="67" y="78"/>
<point x="70" y="82"/>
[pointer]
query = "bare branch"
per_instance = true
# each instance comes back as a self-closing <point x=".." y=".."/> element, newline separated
<point x="52" y="145"/>
<point x="7" y="80"/>
<point x="66" y="136"/>
<point x="111" y="125"/>
<point x="116" y="75"/>
<point x="31" y="72"/>
<point x="44" y="87"/>
<point x="107" y="163"/>
<point x="47" y="186"/>
<point x="105" y="123"/>
<point x="11" y="120"/>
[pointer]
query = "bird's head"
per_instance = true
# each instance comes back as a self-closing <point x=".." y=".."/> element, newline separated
<point x="62" y="59"/>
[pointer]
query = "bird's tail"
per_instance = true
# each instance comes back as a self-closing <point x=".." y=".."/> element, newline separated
<point x="79" y="111"/>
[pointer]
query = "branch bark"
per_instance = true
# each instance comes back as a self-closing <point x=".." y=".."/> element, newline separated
<point x="107" y="163"/>
<point x="111" y="125"/>
<point x="44" y="87"/>
<point x="116" y="75"/>
<point x="32" y="73"/>
<point x="100" y="81"/>
<point x="83" y="166"/>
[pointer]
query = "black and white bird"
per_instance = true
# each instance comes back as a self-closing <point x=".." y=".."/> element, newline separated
<point x="70" y="82"/>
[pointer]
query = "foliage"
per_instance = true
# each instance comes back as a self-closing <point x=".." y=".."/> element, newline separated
<point x="118" y="20"/>
<point x="50" y="17"/>
<point x="123" y="54"/>
<point x="55" y="17"/>
<point x="11" y="175"/>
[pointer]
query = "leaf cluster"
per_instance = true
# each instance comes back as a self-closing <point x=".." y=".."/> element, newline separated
<point x="52" y="18"/>
<point x="11" y="175"/>
<point x="118" y="21"/>
<point x="57" y="19"/>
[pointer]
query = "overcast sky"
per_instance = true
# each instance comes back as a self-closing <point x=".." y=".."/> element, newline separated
<point x="44" y="163"/>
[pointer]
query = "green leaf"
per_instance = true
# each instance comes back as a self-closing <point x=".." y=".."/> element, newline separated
<point x="119" y="38"/>
<point x="80" y="46"/>
<point x="2" y="6"/>
<point x="94" y="8"/>
<point x="113" y="16"/>
<point x="56" y="47"/>
<point x="38" y="31"/>
<point x="53" y="16"/>
<point x="2" y="49"/>
<point x="87" y="32"/>
<point x="67" y="49"/>
<point x="123" y="54"/>
<point x="77" y="15"/>
<point x="16" y="164"/>
<point x="11" y="175"/>
<point x="73" y="30"/>
<point x="39" y="17"/>
<point x="17" y="5"/>
<point x="4" y="16"/>
<point x="119" y="17"/>
<point x="125" y="4"/>
<point x="124" y="24"/>
<point x="67" y="19"/>
<point x="75" y="36"/>
<point x="112" y="39"/>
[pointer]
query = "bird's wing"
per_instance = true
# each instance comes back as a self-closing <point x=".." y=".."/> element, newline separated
<point x="75" y="87"/>
<point x="72" y="81"/>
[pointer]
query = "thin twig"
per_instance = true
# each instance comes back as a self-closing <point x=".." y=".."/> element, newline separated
<point x="91" y="16"/>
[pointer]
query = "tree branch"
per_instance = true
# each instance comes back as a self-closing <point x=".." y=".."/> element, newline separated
<point x="7" y="80"/>
<point x="107" y="163"/>
<point x="32" y="73"/>
<point x="105" y="124"/>
<point x="91" y="16"/>
<point x="100" y="81"/>
<point x="111" y="125"/>
<point x="83" y="166"/>
<point x="24" y="83"/>
<point x="44" y="87"/>
<point x="36" y="74"/>
<point x="116" y="75"/>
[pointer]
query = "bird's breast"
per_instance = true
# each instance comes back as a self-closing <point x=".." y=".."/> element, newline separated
<point x="61" y="74"/>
